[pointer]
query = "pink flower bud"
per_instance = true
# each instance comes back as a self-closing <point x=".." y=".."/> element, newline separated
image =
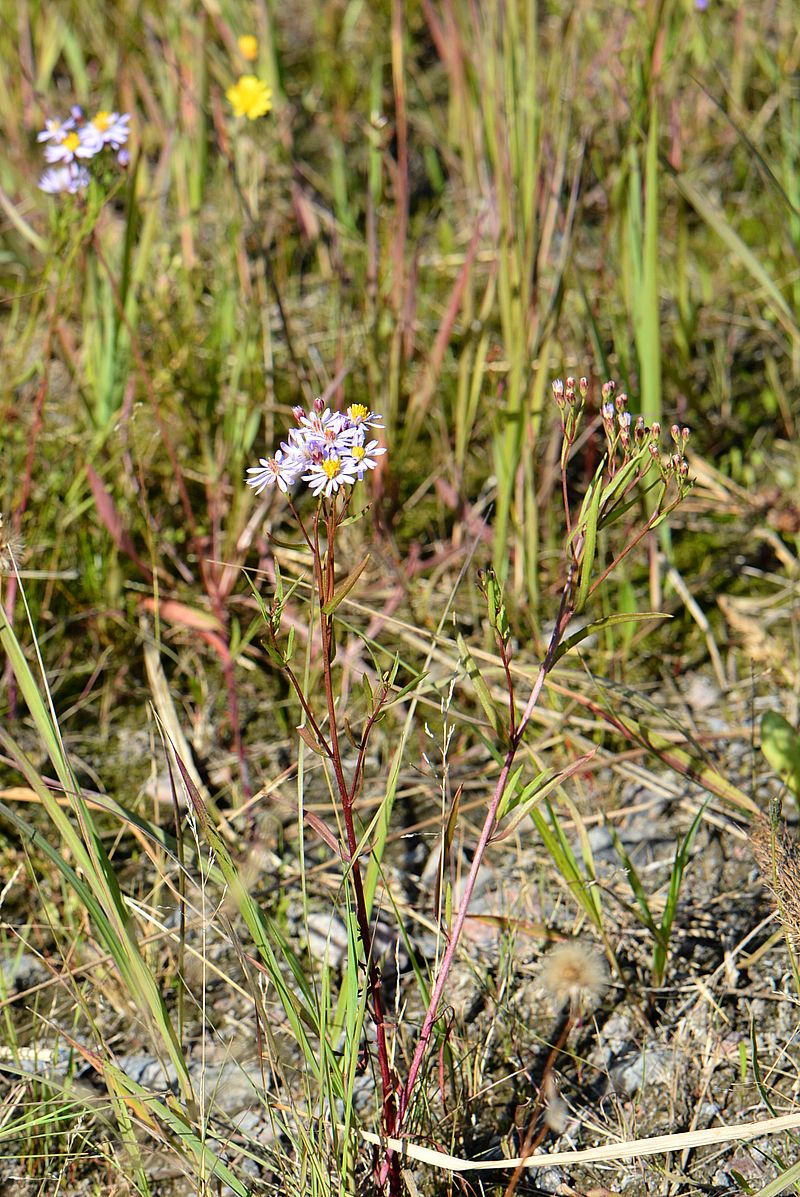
<point x="319" y="406"/>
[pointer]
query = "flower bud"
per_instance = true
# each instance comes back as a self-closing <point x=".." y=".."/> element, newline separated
<point x="298" y="413"/>
<point x="655" y="430"/>
<point x="607" y="390"/>
<point x="319" y="406"/>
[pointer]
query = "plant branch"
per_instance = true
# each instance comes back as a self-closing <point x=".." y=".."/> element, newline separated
<point x="564" y="616"/>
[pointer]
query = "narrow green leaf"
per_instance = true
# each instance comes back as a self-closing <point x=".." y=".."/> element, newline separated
<point x="481" y="689"/>
<point x="780" y="744"/>
<point x="344" y="588"/>
<point x="589" y="550"/>
<point x="608" y="621"/>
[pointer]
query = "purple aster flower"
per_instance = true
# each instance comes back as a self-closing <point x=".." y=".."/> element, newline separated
<point x="74" y="145"/>
<point x="278" y="470"/>
<point x="363" y="457"/>
<point x="329" y="474"/>
<point x="55" y="130"/>
<point x="60" y="179"/>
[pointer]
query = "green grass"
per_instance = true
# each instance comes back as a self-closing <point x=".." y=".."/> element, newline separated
<point x="449" y="205"/>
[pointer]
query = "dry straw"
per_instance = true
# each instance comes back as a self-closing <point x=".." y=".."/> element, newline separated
<point x="632" y="1148"/>
<point x="778" y="856"/>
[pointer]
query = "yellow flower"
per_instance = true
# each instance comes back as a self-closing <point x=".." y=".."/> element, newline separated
<point x="248" y="47"/>
<point x="250" y="97"/>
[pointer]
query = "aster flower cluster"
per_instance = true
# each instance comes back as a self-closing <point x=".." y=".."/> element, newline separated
<point x="327" y="449"/>
<point x="76" y="141"/>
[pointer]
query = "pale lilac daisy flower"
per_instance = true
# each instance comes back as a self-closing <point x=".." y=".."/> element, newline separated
<point x="329" y="474"/>
<point x="59" y="179"/>
<point x="108" y="128"/>
<point x="359" y="416"/>
<point x="73" y="145"/>
<point x="322" y="424"/>
<point x="277" y="469"/>
<point x="55" y="130"/>
<point x="363" y="457"/>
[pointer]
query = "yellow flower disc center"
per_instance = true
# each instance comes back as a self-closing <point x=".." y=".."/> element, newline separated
<point x="331" y="466"/>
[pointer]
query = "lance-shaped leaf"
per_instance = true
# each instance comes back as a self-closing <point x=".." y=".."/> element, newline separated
<point x="481" y="689"/>
<point x="609" y="621"/>
<point x="589" y="549"/>
<point x="780" y="744"/>
<point x="344" y="588"/>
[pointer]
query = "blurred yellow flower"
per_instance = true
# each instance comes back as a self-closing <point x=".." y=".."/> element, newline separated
<point x="250" y="97"/>
<point x="248" y="47"/>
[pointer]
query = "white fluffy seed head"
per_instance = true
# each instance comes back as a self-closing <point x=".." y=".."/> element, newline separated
<point x="575" y="972"/>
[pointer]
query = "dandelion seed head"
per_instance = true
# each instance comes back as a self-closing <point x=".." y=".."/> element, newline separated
<point x="574" y="972"/>
<point x="11" y="548"/>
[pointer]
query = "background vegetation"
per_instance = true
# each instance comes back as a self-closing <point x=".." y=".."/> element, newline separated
<point x="449" y="205"/>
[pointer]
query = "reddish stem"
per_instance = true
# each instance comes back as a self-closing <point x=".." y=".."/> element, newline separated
<point x="325" y="585"/>
<point x="564" y="616"/>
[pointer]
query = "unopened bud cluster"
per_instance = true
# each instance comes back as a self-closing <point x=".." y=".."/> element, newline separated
<point x="626" y="436"/>
<point x="571" y="400"/>
<point x="623" y="433"/>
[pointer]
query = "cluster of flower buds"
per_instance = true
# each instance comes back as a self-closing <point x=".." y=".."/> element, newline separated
<point x="327" y="449"/>
<point x="631" y="436"/>
<point x="73" y="143"/>
<point x="618" y="424"/>
<point x="571" y="403"/>
<point x="676" y="466"/>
